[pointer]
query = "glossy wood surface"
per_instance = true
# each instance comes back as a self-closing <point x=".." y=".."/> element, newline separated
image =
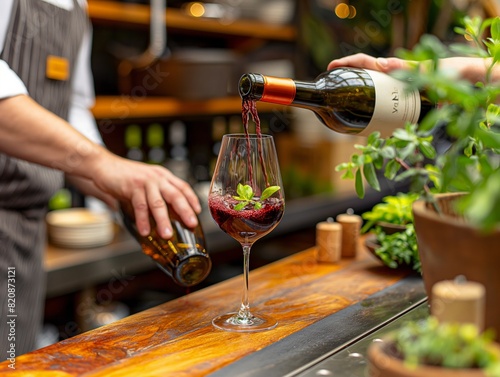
<point x="177" y="338"/>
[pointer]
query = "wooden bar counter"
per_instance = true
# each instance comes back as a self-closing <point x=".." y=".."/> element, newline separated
<point x="177" y="338"/>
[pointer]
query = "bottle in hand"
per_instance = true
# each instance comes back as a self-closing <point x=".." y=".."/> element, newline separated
<point x="183" y="257"/>
<point x="347" y="100"/>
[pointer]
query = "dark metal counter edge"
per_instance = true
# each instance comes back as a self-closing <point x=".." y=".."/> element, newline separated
<point x="289" y="355"/>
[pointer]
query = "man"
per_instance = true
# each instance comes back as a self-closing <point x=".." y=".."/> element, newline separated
<point x="45" y="82"/>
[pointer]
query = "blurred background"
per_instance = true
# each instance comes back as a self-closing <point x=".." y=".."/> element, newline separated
<point x="166" y="74"/>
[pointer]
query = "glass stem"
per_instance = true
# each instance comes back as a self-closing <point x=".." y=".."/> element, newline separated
<point x="244" y="311"/>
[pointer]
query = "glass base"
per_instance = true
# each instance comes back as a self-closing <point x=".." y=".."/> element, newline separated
<point x="234" y="322"/>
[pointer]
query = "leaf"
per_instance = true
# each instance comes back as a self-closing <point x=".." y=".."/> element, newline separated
<point x="483" y="205"/>
<point x="371" y="176"/>
<point x="388" y="152"/>
<point x="407" y="151"/>
<point x="240" y="206"/>
<point x="257" y="205"/>
<point x="469" y="149"/>
<point x="494" y="49"/>
<point x="360" y="188"/>
<point x="403" y="135"/>
<point x="245" y="191"/>
<point x="378" y="162"/>
<point x="427" y="149"/>
<point x="342" y="166"/>
<point x="495" y="29"/>
<point x="373" y="137"/>
<point x="489" y="138"/>
<point x="348" y="174"/>
<point x="268" y="192"/>
<point x="493" y="113"/>
<point x="407" y="174"/>
<point x="391" y="169"/>
<point x="434" y="175"/>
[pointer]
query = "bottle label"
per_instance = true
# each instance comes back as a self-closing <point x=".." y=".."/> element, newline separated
<point x="395" y="105"/>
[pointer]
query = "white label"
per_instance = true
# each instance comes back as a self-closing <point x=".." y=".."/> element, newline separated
<point x="395" y="105"/>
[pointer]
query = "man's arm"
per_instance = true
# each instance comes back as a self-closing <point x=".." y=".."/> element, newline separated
<point x="30" y="132"/>
<point x="467" y="68"/>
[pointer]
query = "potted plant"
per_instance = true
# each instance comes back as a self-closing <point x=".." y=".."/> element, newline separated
<point x="393" y="238"/>
<point x="457" y="219"/>
<point x="393" y="213"/>
<point x="429" y="348"/>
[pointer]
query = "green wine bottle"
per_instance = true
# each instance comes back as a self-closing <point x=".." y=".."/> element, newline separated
<point x="347" y="100"/>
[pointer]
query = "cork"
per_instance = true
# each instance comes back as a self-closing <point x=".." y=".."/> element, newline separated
<point x="459" y="301"/>
<point x="351" y="226"/>
<point x="328" y="241"/>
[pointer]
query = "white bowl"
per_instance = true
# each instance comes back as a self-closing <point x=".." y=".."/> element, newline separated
<point x="80" y="228"/>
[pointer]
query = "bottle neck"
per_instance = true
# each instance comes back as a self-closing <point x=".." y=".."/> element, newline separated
<point x="283" y="91"/>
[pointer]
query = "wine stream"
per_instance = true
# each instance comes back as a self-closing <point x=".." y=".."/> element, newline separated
<point x="249" y="108"/>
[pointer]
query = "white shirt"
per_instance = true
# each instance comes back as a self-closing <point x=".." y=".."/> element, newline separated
<point x="82" y="96"/>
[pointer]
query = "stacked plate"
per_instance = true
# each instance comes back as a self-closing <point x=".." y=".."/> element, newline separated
<point x="80" y="228"/>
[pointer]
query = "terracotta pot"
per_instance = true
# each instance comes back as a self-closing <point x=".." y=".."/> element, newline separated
<point x="382" y="364"/>
<point x="450" y="247"/>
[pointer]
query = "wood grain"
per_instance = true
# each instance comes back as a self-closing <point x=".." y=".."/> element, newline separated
<point x="177" y="338"/>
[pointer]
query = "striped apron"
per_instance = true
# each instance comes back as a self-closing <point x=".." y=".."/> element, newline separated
<point x="38" y="32"/>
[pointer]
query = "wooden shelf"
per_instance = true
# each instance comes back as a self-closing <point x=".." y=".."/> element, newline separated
<point x="124" y="107"/>
<point x="138" y="15"/>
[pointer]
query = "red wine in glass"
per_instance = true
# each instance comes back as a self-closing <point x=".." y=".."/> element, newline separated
<point x="239" y="201"/>
<point x="249" y="224"/>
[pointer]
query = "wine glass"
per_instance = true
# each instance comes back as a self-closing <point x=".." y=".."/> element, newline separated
<point x="247" y="201"/>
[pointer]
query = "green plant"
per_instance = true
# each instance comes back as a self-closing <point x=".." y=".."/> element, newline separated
<point x="398" y="249"/>
<point x="450" y="345"/>
<point x="246" y="196"/>
<point x="393" y="210"/>
<point x="471" y="118"/>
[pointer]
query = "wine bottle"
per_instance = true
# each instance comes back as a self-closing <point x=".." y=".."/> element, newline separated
<point x="183" y="257"/>
<point x="347" y="100"/>
<point x="155" y="140"/>
<point x="133" y="142"/>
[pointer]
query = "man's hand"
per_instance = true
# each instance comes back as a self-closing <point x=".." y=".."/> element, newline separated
<point x="149" y="188"/>
<point x="369" y="62"/>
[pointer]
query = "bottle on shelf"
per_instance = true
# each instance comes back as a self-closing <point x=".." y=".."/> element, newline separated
<point x="178" y="162"/>
<point x="155" y="141"/>
<point x="183" y="257"/>
<point x="347" y="100"/>
<point x="219" y="128"/>
<point x="133" y="142"/>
